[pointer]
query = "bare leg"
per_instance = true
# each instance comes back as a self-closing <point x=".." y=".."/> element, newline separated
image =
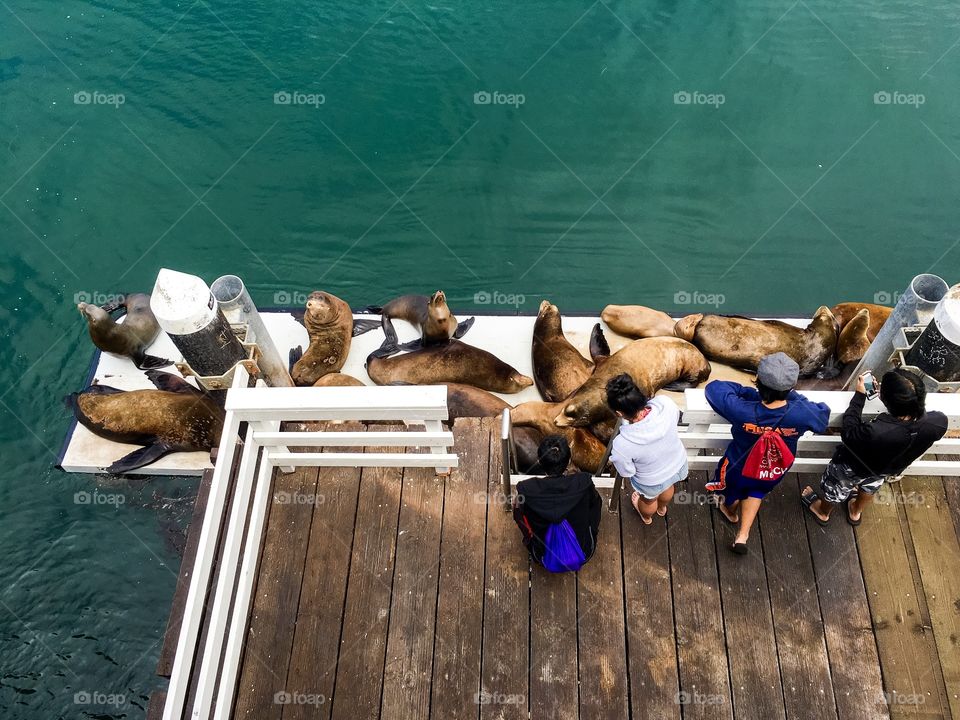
<point x="645" y="507"/>
<point x="748" y="513"/>
<point x="663" y="499"/>
<point x="858" y="504"/>
<point x="730" y="511"/>
<point x="821" y="508"/>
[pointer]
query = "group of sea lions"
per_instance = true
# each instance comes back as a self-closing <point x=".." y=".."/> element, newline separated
<point x="663" y="354"/>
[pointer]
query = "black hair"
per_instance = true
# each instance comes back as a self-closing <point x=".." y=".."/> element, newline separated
<point x="769" y="395"/>
<point x="903" y="393"/>
<point x="553" y="455"/>
<point x="624" y="396"/>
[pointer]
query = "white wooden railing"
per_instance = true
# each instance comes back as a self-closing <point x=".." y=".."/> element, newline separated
<point x="266" y="447"/>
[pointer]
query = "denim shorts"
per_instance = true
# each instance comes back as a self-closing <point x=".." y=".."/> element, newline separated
<point x="650" y="492"/>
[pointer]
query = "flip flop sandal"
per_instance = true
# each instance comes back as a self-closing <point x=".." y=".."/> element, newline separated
<point x="740" y="548"/>
<point x="807" y="501"/>
<point x="850" y="519"/>
<point x="635" y="501"/>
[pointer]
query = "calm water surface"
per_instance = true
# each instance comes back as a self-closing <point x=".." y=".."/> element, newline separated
<point x="748" y="156"/>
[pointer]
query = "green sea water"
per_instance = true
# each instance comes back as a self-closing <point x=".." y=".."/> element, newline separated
<point x="744" y="157"/>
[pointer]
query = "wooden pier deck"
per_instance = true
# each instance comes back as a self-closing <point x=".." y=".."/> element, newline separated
<point x="389" y="593"/>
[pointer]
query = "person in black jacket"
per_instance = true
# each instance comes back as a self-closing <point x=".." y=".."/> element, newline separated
<point x="873" y="451"/>
<point x="544" y="501"/>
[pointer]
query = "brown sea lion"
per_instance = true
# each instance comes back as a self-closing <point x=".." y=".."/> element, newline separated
<point x="453" y="361"/>
<point x="845" y="312"/>
<point x="653" y="363"/>
<point x="330" y="327"/>
<point x="176" y="417"/>
<point x="586" y="451"/>
<point x="637" y="321"/>
<point x="741" y="342"/>
<point x="338" y="379"/>
<point x="558" y="367"/>
<point x="130" y="338"/>
<point x="430" y="315"/>
<point x="854" y="338"/>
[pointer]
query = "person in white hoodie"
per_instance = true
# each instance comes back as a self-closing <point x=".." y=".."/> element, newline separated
<point x="648" y="449"/>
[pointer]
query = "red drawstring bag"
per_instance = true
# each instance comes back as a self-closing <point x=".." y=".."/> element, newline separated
<point x="769" y="459"/>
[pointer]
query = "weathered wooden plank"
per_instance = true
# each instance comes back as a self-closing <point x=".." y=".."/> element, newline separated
<point x="409" y="658"/>
<point x="459" y="633"/>
<point x="504" y="687"/>
<point x="363" y="641"/>
<point x="603" y="666"/>
<point x="701" y="642"/>
<point x="266" y="655"/>
<point x="168" y="650"/>
<point x="911" y="669"/>
<point x="316" y="640"/>
<point x="801" y="646"/>
<point x="155" y="709"/>
<point x="648" y="597"/>
<point x="748" y="620"/>
<point x="938" y="557"/>
<point x="854" y="664"/>
<point x="553" y="645"/>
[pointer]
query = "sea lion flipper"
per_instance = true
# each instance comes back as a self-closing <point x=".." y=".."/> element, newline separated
<point x="171" y="383"/>
<point x="151" y="362"/>
<point x="679" y="385"/>
<point x="364" y="326"/>
<point x="371" y="310"/>
<point x="463" y="327"/>
<point x="599" y="347"/>
<point x="295" y="355"/>
<point x="139" y="458"/>
<point x="412" y="345"/>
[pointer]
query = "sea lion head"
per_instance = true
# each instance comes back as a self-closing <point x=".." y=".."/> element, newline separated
<point x="577" y="413"/>
<point x="93" y="314"/>
<point x="320" y="307"/>
<point x="853" y="342"/>
<point x="548" y="318"/>
<point x="825" y="322"/>
<point x="437" y="306"/>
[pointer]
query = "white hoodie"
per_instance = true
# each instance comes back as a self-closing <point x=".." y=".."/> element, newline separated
<point x="650" y="451"/>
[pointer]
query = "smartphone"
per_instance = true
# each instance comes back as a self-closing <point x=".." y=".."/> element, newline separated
<point x="870" y="385"/>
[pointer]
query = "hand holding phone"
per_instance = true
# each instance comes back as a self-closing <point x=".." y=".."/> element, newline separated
<point x="868" y="385"/>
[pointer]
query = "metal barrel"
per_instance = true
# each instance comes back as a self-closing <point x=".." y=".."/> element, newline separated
<point x="915" y="307"/>
<point x="238" y="307"/>
<point x="189" y="313"/>
<point x="937" y="351"/>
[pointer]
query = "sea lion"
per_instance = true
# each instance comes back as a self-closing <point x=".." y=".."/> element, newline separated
<point x="637" y="321"/>
<point x="741" y="342"/>
<point x="586" y="450"/>
<point x="330" y="326"/>
<point x="430" y="315"/>
<point x="558" y="367"/>
<point x="653" y="363"/>
<point x="176" y="417"/>
<point x="845" y="312"/>
<point x="338" y="379"/>
<point x="130" y="338"/>
<point x="453" y="361"/>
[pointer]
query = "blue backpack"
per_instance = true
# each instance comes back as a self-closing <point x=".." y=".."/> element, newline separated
<point x="563" y="552"/>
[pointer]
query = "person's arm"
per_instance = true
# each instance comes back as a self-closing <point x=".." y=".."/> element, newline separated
<point x="724" y="396"/>
<point x="854" y="432"/>
<point x="621" y="461"/>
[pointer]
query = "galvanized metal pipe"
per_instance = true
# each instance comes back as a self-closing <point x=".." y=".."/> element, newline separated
<point x="937" y="351"/>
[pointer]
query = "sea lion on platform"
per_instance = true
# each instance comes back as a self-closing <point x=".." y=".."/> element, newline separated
<point x="176" y="417"/>
<point x="586" y="450"/>
<point x="637" y="321"/>
<point x="452" y="361"/>
<point x="558" y="367"/>
<point x="130" y="338"/>
<point x="430" y="315"/>
<point x="845" y="312"/>
<point x="854" y="338"/>
<point x="653" y="363"/>
<point x="338" y="379"/>
<point x="741" y="342"/>
<point x="330" y="327"/>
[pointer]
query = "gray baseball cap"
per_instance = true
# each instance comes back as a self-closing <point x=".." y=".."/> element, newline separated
<point x="778" y="371"/>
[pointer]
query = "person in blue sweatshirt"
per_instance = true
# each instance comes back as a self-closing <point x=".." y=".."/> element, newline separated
<point x="772" y="405"/>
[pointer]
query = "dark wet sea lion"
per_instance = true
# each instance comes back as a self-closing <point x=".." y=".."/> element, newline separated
<point x="845" y="312"/>
<point x="176" y="417"/>
<point x="338" y="379"/>
<point x="330" y="326"/>
<point x="637" y="321"/>
<point x="453" y="361"/>
<point x="558" y="367"/>
<point x="741" y="342"/>
<point x="130" y="338"/>
<point x="854" y="338"/>
<point x="430" y="315"/>
<point x="586" y="450"/>
<point x="653" y="363"/>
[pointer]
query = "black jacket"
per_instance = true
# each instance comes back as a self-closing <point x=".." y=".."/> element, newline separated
<point x="541" y="502"/>
<point x="885" y="445"/>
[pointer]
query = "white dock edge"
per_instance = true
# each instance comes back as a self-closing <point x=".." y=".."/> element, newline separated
<point x="264" y="449"/>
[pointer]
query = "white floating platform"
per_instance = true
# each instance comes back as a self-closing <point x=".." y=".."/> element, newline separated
<point x="509" y="337"/>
